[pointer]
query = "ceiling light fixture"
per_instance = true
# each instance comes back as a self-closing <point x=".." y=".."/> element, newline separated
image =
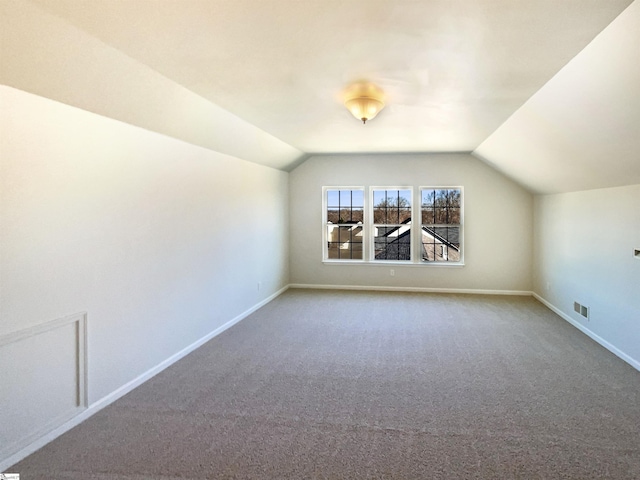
<point x="364" y="101"/>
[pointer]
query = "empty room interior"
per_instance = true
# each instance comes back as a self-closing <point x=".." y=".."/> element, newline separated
<point x="320" y="239"/>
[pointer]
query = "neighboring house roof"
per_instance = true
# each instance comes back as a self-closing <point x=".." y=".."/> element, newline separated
<point x="447" y="235"/>
<point x="391" y="248"/>
<point x="347" y="223"/>
<point x="386" y="231"/>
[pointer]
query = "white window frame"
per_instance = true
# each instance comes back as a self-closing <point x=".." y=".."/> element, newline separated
<point x="325" y="224"/>
<point x="419" y="229"/>
<point x="368" y="247"/>
<point x="371" y="232"/>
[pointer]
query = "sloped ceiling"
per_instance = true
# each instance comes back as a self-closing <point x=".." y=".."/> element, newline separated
<point x="453" y="71"/>
<point x="45" y="55"/>
<point x="582" y="129"/>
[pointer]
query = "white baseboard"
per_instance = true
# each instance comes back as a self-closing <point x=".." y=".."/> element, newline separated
<point x="123" y="390"/>
<point x="613" y="349"/>
<point x="126" y="388"/>
<point x="413" y="289"/>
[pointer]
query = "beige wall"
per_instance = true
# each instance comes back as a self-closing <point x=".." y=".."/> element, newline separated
<point x="160" y="237"/>
<point x="583" y="253"/>
<point x="498" y="222"/>
<point x="158" y="240"/>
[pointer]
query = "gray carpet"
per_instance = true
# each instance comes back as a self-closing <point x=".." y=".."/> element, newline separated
<point x="334" y="384"/>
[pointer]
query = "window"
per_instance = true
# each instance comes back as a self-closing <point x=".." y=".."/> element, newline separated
<point x="408" y="225"/>
<point x="441" y="220"/>
<point x="344" y="216"/>
<point x="392" y="224"/>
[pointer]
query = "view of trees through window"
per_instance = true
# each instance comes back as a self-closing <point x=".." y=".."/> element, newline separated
<point x="392" y="224"/>
<point x="345" y="216"/>
<point x="389" y="236"/>
<point x="440" y="211"/>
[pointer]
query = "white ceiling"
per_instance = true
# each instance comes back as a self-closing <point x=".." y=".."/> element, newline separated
<point x="453" y="70"/>
<point x="581" y="130"/>
<point x="456" y="74"/>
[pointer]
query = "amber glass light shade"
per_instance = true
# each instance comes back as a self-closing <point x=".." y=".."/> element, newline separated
<point x="364" y="101"/>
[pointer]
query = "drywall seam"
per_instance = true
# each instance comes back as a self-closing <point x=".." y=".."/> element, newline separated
<point x="613" y="349"/>
<point x="129" y="386"/>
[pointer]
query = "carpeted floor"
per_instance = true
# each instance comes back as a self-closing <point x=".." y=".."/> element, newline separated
<point x="335" y="384"/>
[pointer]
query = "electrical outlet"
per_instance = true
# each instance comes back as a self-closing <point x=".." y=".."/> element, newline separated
<point x="548" y="286"/>
<point x="392" y="272"/>
<point x="259" y="285"/>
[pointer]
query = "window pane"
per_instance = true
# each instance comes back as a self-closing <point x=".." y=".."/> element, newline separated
<point x="379" y="196"/>
<point x="333" y="198"/>
<point x="454" y="254"/>
<point x="404" y="198"/>
<point x="345" y="198"/>
<point x="454" y="215"/>
<point x="440" y="206"/>
<point x="346" y="215"/>
<point x="392" y="216"/>
<point x="440" y="215"/>
<point x="391" y="206"/>
<point x="454" y="198"/>
<point x="344" y="242"/>
<point x="379" y="215"/>
<point x="428" y="198"/>
<point x="404" y="215"/>
<point x="441" y="244"/>
<point x="450" y="234"/>
<point x="428" y="215"/>
<point x="357" y="198"/>
<point x="345" y="206"/>
<point x="392" y="243"/>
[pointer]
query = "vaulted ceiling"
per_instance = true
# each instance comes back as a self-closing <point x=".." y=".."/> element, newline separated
<point x="453" y="71"/>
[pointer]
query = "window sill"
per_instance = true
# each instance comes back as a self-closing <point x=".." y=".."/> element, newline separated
<point x="386" y="263"/>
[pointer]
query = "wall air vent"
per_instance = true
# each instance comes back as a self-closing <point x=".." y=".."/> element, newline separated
<point x="581" y="309"/>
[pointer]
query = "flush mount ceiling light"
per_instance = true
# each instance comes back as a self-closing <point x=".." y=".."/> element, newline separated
<point x="364" y="101"/>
